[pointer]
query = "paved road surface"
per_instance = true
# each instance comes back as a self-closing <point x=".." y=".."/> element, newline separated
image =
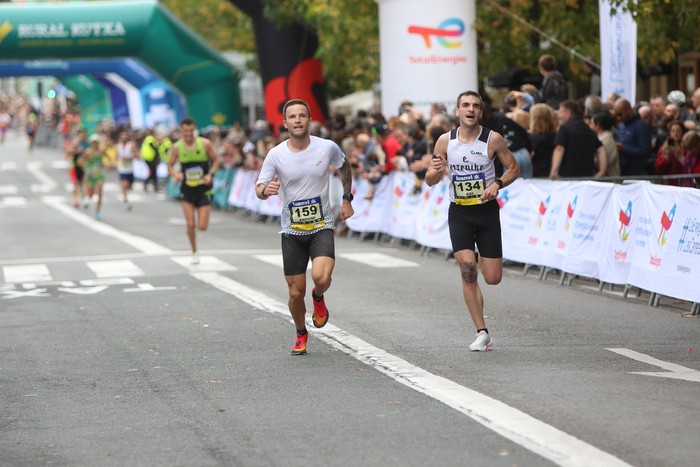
<point x="114" y="350"/>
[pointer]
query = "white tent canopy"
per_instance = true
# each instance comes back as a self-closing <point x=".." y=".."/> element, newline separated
<point x="350" y="104"/>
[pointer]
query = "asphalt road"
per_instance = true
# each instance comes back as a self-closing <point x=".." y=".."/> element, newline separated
<point x="114" y="350"/>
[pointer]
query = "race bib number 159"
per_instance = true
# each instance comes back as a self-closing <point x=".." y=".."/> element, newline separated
<point x="307" y="214"/>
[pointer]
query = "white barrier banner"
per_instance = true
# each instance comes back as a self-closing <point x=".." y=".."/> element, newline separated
<point x="360" y="220"/>
<point x="617" y="247"/>
<point x="242" y="182"/>
<point x="402" y="216"/>
<point x="431" y="217"/>
<point x="666" y="257"/>
<point x="640" y="234"/>
<point x="586" y="218"/>
<point x="520" y="217"/>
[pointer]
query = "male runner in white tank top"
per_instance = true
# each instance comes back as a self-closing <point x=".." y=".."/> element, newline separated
<point x="298" y="170"/>
<point x="467" y="153"/>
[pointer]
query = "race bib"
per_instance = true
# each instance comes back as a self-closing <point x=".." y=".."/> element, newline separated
<point x="468" y="188"/>
<point x="194" y="176"/>
<point x="307" y="214"/>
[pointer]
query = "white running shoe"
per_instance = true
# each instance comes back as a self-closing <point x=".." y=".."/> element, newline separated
<point x="195" y="258"/>
<point x="482" y="343"/>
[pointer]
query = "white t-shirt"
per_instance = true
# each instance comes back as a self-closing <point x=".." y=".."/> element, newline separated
<point x="304" y="180"/>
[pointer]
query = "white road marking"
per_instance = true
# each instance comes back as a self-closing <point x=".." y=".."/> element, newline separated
<point x="121" y="268"/>
<point x="83" y="290"/>
<point x="275" y="260"/>
<point x="13" y="201"/>
<point x="142" y="244"/>
<point x="206" y="263"/>
<point x="107" y="281"/>
<point x="8" y="165"/>
<point x="148" y="288"/>
<point x="378" y="260"/>
<point x="36" y="170"/>
<point x="534" y="435"/>
<point x="8" y="189"/>
<point x="26" y="273"/>
<point x="59" y="164"/>
<point x="674" y="371"/>
<point x="10" y="294"/>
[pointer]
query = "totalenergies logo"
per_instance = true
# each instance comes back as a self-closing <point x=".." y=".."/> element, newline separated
<point x="5" y="29"/>
<point x="450" y="28"/>
<point x="625" y="217"/>
<point x="666" y="221"/>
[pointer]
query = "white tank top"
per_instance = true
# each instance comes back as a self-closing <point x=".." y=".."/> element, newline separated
<point x="470" y="168"/>
<point x="125" y="158"/>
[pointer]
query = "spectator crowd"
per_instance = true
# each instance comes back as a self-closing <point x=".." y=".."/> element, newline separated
<point x="550" y="135"/>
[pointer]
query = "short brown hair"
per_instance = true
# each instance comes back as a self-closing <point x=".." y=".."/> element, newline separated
<point x="547" y="62"/>
<point x="294" y="102"/>
<point x="470" y="93"/>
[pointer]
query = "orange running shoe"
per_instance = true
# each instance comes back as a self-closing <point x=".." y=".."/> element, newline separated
<point x="320" y="316"/>
<point x="299" y="347"/>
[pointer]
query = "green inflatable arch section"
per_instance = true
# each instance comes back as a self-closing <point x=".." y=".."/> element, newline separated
<point x="141" y="29"/>
<point x="95" y="100"/>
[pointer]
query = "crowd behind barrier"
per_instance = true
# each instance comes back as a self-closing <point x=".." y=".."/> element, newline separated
<point x="637" y="234"/>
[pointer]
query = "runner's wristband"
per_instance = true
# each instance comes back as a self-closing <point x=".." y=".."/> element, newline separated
<point x="499" y="182"/>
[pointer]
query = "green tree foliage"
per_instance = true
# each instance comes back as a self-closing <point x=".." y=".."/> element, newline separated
<point x="221" y="24"/>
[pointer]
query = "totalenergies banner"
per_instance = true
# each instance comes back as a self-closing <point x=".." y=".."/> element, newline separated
<point x="428" y="52"/>
<point x="640" y="234"/>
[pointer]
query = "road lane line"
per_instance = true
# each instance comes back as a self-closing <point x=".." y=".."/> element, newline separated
<point x="525" y="430"/>
<point x="112" y="269"/>
<point x="379" y="260"/>
<point x="142" y="244"/>
<point x="26" y="273"/>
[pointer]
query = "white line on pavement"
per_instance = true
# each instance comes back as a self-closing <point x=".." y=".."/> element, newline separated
<point x="142" y="244"/>
<point x="530" y="433"/>
<point x="674" y="371"/>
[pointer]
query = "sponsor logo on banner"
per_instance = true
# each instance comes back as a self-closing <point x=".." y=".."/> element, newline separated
<point x="502" y="198"/>
<point x="542" y="210"/>
<point x="446" y="35"/>
<point x="624" y="218"/>
<point x="686" y="244"/>
<point x="666" y="222"/>
<point x="5" y="29"/>
<point x="445" y="30"/>
<point x="570" y="209"/>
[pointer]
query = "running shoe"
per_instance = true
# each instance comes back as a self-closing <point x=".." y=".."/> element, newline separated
<point x="482" y="343"/>
<point x="98" y="217"/>
<point x="299" y="347"/>
<point x="128" y="206"/>
<point x="320" y="316"/>
<point x="195" y="258"/>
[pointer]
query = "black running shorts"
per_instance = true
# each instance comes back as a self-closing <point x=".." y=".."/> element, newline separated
<point x="479" y="225"/>
<point x="198" y="200"/>
<point x="297" y="249"/>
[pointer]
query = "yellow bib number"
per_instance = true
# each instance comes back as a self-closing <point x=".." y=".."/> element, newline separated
<point x="194" y="176"/>
<point x="307" y="214"/>
<point x="468" y="188"/>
